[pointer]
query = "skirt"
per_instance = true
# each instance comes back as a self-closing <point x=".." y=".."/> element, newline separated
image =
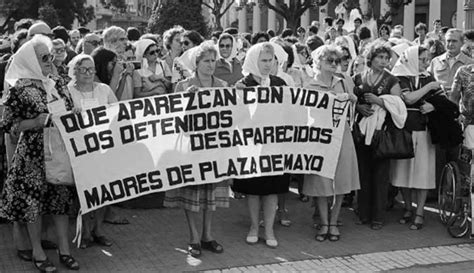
<point x="347" y="173"/>
<point x="200" y="197"/>
<point x="418" y="172"/>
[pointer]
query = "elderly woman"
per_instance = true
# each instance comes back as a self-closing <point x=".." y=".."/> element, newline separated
<point x="60" y="54"/>
<point x="115" y="39"/>
<point x="206" y="197"/>
<point x="90" y="42"/>
<point x="86" y="94"/>
<point x="27" y="196"/>
<point x="172" y="43"/>
<point x="153" y="76"/>
<point x="228" y="68"/>
<point x="256" y="68"/>
<point x="416" y="175"/>
<point x="374" y="173"/>
<point x="325" y="61"/>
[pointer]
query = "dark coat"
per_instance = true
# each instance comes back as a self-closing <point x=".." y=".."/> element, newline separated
<point x="442" y="124"/>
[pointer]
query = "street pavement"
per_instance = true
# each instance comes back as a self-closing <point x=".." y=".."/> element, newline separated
<point x="156" y="241"/>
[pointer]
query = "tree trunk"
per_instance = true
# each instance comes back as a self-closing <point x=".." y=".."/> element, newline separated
<point x="218" y="21"/>
<point x="292" y="23"/>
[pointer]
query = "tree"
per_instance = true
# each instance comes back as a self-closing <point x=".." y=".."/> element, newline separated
<point x="66" y="11"/>
<point x="216" y="10"/>
<point x="48" y="14"/>
<point x="293" y="12"/>
<point x="186" y="13"/>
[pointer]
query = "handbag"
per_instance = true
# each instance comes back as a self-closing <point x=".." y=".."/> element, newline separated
<point x="56" y="159"/>
<point x="392" y="143"/>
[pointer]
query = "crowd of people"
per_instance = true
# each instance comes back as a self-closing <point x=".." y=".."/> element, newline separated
<point x="47" y="71"/>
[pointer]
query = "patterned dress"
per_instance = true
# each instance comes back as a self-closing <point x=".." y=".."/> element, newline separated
<point x="26" y="194"/>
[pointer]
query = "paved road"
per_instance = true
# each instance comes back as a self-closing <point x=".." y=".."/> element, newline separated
<point x="156" y="240"/>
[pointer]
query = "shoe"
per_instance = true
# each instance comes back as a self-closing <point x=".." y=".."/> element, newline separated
<point x="48" y="245"/>
<point x="406" y="218"/>
<point x="283" y="219"/>
<point x="25" y="255"/>
<point x="44" y="266"/>
<point x="362" y="222"/>
<point x="333" y="237"/>
<point x="212" y="246"/>
<point x="102" y="240"/>
<point x="271" y="243"/>
<point x="194" y="250"/>
<point x="68" y="261"/>
<point x="85" y="243"/>
<point x="321" y="237"/>
<point x="376" y="225"/>
<point x="417" y="226"/>
<point x="251" y="239"/>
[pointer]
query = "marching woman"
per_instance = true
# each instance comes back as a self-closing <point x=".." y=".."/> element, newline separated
<point x="261" y="190"/>
<point x="416" y="175"/>
<point x="27" y="196"/>
<point x="206" y="197"/>
<point x="374" y="173"/>
<point x="326" y="60"/>
<point x="152" y="78"/>
<point x="86" y="94"/>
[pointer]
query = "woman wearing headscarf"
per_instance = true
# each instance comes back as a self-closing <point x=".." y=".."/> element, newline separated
<point x="262" y="190"/>
<point x="153" y="76"/>
<point x="85" y="94"/>
<point x="205" y="197"/>
<point x="228" y="68"/>
<point x="325" y="63"/>
<point x="416" y="175"/>
<point x="27" y="195"/>
<point x="181" y="65"/>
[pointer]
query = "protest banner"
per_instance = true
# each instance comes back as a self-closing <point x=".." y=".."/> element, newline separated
<point x="132" y="148"/>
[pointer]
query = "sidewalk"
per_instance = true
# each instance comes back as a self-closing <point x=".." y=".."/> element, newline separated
<point x="156" y="241"/>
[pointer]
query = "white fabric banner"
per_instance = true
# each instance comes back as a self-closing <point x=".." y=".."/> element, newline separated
<point x="132" y="148"/>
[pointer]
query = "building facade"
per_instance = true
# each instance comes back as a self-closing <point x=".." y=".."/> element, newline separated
<point x="254" y="16"/>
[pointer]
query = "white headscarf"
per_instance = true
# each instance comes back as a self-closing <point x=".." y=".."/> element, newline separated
<point x="280" y="54"/>
<point x="296" y="62"/>
<point x="140" y="48"/>
<point x="25" y="65"/>
<point x="233" y="52"/>
<point x="250" y="65"/>
<point x="400" y="48"/>
<point x="72" y="64"/>
<point x="408" y="64"/>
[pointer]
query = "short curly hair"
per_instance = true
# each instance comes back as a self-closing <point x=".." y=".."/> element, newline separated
<point x="169" y="35"/>
<point x="375" y="49"/>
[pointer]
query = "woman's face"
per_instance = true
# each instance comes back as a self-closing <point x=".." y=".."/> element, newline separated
<point x="303" y="56"/>
<point x="111" y="65"/>
<point x="121" y="43"/>
<point x="85" y="72"/>
<point x="59" y="52"/>
<point x="274" y="70"/>
<point x="329" y="63"/>
<point x="207" y="64"/>
<point x="380" y="61"/>
<point x="225" y="47"/>
<point x="423" y="61"/>
<point x="345" y="60"/>
<point x="45" y="59"/>
<point x="265" y="62"/>
<point x="186" y="43"/>
<point x="176" y="43"/>
<point x="151" y="54"/>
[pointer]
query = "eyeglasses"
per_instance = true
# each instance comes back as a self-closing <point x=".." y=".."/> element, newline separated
<point x="153" y="52"/>
<point x="333" y="60"/>
<point x="123" y="39"/>
<point x="225" y="46"/>
<point x="46" y="58"/>
<point x="93" y="42"/>
<point x="346" y="58"/>
<point x="88" y="70"/>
